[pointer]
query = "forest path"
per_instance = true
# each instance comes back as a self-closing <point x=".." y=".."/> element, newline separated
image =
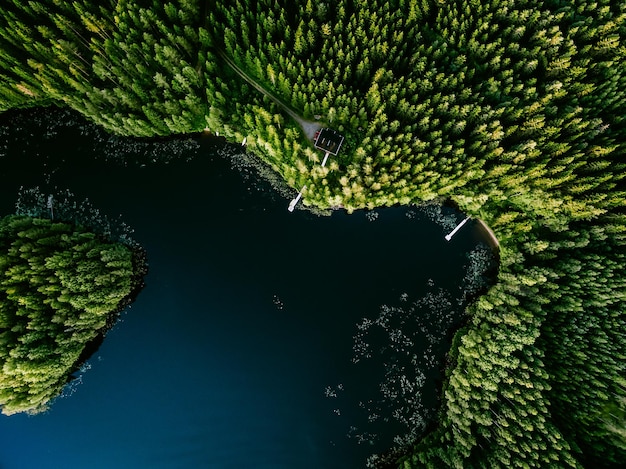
<point x="308" y="127"/>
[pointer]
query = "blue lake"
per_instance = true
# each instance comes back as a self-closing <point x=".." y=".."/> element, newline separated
<point x="240" y="350"/>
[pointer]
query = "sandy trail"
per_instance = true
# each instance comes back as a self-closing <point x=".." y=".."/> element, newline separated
<point x="489" y="231"/>
<point x="308" y="127"/>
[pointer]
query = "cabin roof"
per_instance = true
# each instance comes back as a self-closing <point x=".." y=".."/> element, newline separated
<point x="328" y="140"/>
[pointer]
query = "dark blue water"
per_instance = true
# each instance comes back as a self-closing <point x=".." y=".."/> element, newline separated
<point x="247" y="316"/>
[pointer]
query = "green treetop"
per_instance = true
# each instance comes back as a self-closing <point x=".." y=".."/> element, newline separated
<point x="60" y="287"/>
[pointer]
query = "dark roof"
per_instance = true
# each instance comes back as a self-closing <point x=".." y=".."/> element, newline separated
<point x="328" y="140"/>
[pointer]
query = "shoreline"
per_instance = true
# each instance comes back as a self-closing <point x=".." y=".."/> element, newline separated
<point x="492" y="236"/>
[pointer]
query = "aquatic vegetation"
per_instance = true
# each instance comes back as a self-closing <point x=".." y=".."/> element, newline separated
<point x="437" y="214"/>
<point x="57" y="122"/>
<point x="481" y="261"/>
<point x="513" y="110"/>
<point x="63" y="205"/>
<point x="371" y="215"/>
<point x="387" y="347"/>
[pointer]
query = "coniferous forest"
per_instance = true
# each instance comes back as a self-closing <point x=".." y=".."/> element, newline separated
<point x="512" y="110"/>
<point x="60" y="288"/>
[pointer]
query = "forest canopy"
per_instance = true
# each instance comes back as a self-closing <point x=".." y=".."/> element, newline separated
<point x="61" y="287"/>
<point x="512" y="110"/>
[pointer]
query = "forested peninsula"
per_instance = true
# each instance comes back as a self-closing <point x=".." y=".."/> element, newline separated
<point x="512" y="110"/>
<point x="61" y="288"/>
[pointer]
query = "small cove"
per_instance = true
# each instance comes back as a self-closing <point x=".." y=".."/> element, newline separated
<point x="249" y="312"/>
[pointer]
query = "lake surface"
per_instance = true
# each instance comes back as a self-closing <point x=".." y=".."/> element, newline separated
<point x="246" y="347"/>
